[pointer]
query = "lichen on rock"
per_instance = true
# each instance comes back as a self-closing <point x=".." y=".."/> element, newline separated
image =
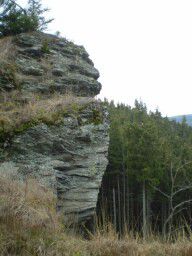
<point x="51" y="127"/>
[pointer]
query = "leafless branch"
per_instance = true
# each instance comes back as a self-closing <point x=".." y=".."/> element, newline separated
<point x="182" y="189"/>
<point x="161" y="191"/>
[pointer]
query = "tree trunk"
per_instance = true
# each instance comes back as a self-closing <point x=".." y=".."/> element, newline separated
<point x="119" y="207"/>
<point x="114" y="211"/>
<point x="128" y="204"/>
<point x="163" y="214"/>
<point x="144" y="212"/>
<point x="132" y="221"/>
<point x="148" y="213"/>
<point x="124" y="199"/>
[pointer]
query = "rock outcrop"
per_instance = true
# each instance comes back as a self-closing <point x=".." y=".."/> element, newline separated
<point x="51" y="128"/>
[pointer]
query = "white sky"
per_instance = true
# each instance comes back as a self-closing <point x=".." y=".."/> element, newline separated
<point x="142" y="48"/>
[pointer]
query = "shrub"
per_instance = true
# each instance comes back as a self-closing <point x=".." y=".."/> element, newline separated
<point x="45" y="47"/>
<point x="14" y="19"/>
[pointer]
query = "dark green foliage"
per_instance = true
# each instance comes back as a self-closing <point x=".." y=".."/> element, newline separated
<point x="14" y="19"/>
<point x="144" y="150"/>
<point x="16" y="22"/>
<point x="35" y="11"/>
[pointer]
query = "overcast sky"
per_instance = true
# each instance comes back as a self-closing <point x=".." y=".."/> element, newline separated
<point x="142" y="48"/>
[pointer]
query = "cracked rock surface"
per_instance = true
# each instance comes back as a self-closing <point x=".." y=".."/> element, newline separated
<point x="55" y="64"/>
<point x="69" y="156"/>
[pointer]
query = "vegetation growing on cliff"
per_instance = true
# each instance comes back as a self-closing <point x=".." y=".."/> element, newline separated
<point x="18" y="112"/>
<point x="14" y="19"/>
<point x="148" y="183"/>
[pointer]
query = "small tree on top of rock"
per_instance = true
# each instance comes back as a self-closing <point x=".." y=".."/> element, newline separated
<point x="15" y="19"/>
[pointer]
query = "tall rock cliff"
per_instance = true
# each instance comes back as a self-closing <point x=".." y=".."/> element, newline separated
<point x="51" y="127"/>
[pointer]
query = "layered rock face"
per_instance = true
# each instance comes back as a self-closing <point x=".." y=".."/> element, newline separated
<point x="51" y="128"/>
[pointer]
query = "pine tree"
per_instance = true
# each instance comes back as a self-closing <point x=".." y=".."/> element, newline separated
<point x="138" y="179"/>
<point x="36" y="11"/>
<point x="14" y="19"/>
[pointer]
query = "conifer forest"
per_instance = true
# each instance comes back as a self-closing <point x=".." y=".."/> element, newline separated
<point x="147" y="186"/>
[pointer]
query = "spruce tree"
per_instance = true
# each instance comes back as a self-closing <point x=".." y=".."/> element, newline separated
<point x="15" y="19"/>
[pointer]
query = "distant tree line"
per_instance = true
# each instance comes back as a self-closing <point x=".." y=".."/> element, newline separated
<point x="148" y="183"/>
<point x="15" y="19"/>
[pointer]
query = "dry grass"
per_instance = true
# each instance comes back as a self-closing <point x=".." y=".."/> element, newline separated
<point x="18" y="113"/>
<point x="108" y="244"/>
<point x="30" y="202"/>
<point x="29" y="225"/>
<point x="27" y="212"/>
<point x="6" y="48"/>
<point x="8" y="68"/>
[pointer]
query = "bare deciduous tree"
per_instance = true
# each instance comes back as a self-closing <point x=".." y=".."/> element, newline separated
<point x="177" y="186"/>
